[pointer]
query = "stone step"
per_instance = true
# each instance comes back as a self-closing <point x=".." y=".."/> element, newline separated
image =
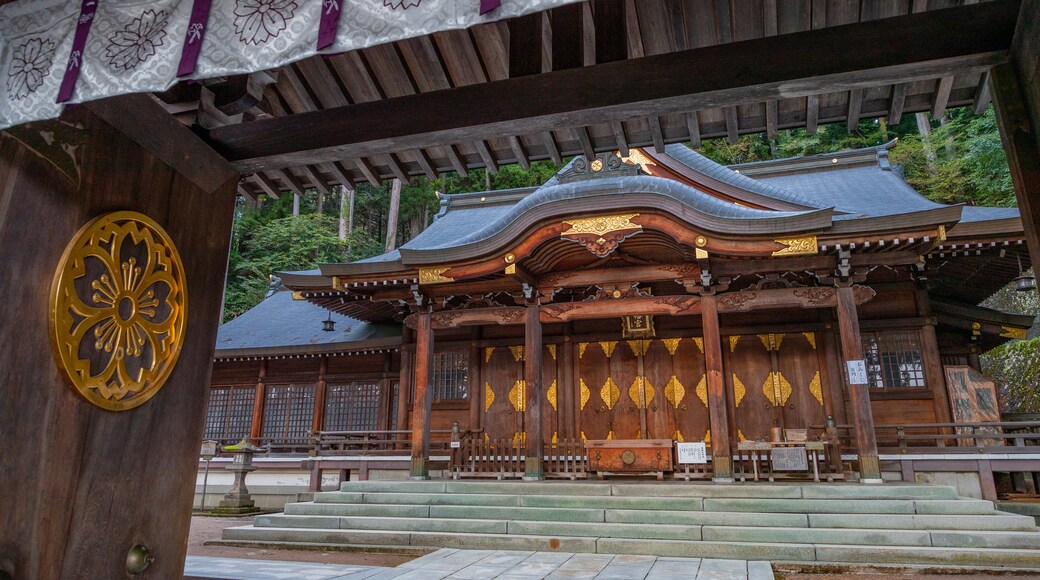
<point x="964" y="506"/>
<point x="506" y="513"/>
<point x="836" y="491"/>
<point x="979" y="539"/>
<point x="989" y="558"/>
<point x="425" y="539"/>
<point x="707" y="518"/>
<point x="554" y="501"/>
<point x="357" y="509"/>
<point x="810" y="506"/>
<point x="874" y="537"/>
<point x="996" y="522"/>
<point x="381" y="523"/>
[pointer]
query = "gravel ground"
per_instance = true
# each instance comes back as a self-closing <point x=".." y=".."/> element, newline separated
<point x="204" y="529"/>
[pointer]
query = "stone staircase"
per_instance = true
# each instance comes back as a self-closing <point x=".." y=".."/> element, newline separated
<point x="835" y="523"/>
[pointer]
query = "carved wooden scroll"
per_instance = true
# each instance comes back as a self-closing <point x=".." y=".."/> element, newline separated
<point x="812" y="297"/>
<point x="603" y="234"/>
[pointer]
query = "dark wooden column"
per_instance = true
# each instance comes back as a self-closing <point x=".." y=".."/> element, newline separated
<point x="423" y="399"/>
<point x="533" y="469"/>
<point x="933" y="368"/>
<point x="859" y="392"/>
<point x="319" y="395"/>
<point x="74" y="472"/>
<point x="473" y="380"/>
<point x="404" y="381"/>
<point x="1016" y="99"/>
<point x="721" y="454"/>
<point x="258" y="403"/>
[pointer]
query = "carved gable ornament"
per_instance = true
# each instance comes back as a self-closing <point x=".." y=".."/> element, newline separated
<point x="601" y="235"/>
<point x="604" y="165"/>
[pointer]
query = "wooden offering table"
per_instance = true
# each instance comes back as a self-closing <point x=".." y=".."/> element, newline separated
<point x="630" y="456"/>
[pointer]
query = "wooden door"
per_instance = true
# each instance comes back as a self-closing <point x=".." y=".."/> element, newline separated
<point x="686" y="392"/>
<point x="798" y="381"/>
<point x="502" y="377"/>
<point x="550" y="388"/>
<point x="750" y="369"/>
<point x="658" y="370"/>
<point x="626" y="418"/>
<point x="594" y="410"/>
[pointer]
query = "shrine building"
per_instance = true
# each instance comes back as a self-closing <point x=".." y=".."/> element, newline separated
<point x="629" y="303"/>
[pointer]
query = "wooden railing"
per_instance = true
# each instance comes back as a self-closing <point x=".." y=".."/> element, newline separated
<point x="504" y="458"/>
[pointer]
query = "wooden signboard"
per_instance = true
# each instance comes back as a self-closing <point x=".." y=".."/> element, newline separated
<point x="789" y="459"/>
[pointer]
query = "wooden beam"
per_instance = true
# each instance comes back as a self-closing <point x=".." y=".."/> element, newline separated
<point x="618" y="128"/>
<point x="525" y="45"/>
<point x="608" y="17"/>
<point x="267" y="185"/>
<point x="732" y="128"/>
<point x="341" y="175"/>
<point x="290" y="181"/>
<point x="620" y="275"/>
<point x="855" y="108"/>
<point x="395" y="167"/>
<point x="426" y="163"/>
<point x="518" y="151"/>
<point x="895" y="110"/>
<point x="485" y="154"/>
<point x="887" y="51"/>
<point x="552" y="148"/>
<point x="771" y="115"/>
<point x="1020" y="134"/>
<point x="586" y="142"/>
<point x="568" y="36"/>
<point x="369" y="171"/>
<point x="656" y="135"/>
<point x="942" y="97"/>
<point x="456" y="159"/>
<point x="315" y="179"/>
<point x="812" y="113"/>
<point x="982" y="95"/>
<point x="247" y="192"/>
<point x="693" y="126"/>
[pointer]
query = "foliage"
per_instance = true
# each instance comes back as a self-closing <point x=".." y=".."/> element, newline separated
<point x="1015" y="367"/>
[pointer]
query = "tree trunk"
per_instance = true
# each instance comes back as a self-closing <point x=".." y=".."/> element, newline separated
<point x="295" y="204"/>
<point x="321" y="201"/>
<point x="391" y="220"/>
<point x="346" y="216"/>
<point x="924" y="127"/>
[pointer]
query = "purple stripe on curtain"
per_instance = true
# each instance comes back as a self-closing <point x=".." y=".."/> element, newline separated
<point x="330" y="10"/>
<point x="79" y="41"/>
<point x="193" y="37"/>
<point x="489" y="5"/>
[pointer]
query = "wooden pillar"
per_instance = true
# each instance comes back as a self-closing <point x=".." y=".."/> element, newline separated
<point x="721" y="454"/>
<point x="319" y="396"/>
<point x="566" y="389"/>
<point x="1016" y="99"/>
<point x="859" y="391"/>
<point x="404" y="381"/>
<point x="934" y="376"/>
<point x="473" y="380"/>
<point x="77" y="472"/>
<point x="533" y="469"/>
<point x="423" y="399"/>
<point x="258" y="404"/>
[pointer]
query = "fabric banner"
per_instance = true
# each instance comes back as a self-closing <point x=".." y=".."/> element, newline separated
<point x="137" y="45"/>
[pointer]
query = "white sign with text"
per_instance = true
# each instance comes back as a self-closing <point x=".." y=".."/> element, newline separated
<point x="693" y="452"/>
<point x="857" y="372"/>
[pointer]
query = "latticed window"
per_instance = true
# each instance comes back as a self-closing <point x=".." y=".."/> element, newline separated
<point x="450" y="375"/>
<point x="229" y="416"/>
<point x="893" y="359"/>
<point x="352" y="407"/>
<point x="288" y="413"/>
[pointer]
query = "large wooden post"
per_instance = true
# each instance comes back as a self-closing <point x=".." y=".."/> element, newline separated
<point x="404" y="382"/>
<point x="533" y="469"/>
<point x="1016" y="99"/>
<point x="859" y="391"/>
<point x="721" y="454"/>
<point x="423" y="400"/>
<point x="934" y="375"/>
<point x="73" y="472"/>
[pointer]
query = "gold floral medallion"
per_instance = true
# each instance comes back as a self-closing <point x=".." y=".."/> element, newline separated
<point x="118" y="306"/>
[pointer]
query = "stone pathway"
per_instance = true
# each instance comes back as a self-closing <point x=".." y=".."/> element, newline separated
<point x="452" y="564"/>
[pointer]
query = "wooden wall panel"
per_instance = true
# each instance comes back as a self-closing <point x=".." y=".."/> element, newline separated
<point x="747" y="369"/>
<point x="358" y="364"/>
<point x="551" y="390"/>
<point x="798" y="363"/>
<point x="625" y="417"/>
<point x="593" y="371"/>
<point x="82" y="485"/>
<point x="691" y="415"/>
<point x="501" y="371"/>
<point x="235" y="372"/>
<point x="658" y="368"/>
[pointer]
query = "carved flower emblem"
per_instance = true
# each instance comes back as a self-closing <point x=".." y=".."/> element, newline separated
<point x="404" y="4"/>
<point x="29" y="66"/>
<point x="119" y="310"/>
<point x="257" y="21"/>
<point x="137" y="41"/>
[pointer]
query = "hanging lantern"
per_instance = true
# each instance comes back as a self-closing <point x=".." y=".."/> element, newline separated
<point x="1024" y="282"/>
<point x="328" y="325"/>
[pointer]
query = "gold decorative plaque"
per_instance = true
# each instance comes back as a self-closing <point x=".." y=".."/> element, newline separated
<point x="118" y="306"/>
<point x="797" y="247"/>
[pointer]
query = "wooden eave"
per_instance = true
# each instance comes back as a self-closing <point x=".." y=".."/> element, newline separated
<point x="309" y="350"/>
<point x="890" y="59"/>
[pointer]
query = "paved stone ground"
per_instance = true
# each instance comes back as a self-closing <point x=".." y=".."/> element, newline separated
<point x="452" y="564"/>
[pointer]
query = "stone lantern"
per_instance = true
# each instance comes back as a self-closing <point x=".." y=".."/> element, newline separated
<point x="237" y="500"/>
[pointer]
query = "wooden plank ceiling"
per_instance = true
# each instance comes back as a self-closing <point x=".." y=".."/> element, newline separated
<point x="577" y="36"/>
